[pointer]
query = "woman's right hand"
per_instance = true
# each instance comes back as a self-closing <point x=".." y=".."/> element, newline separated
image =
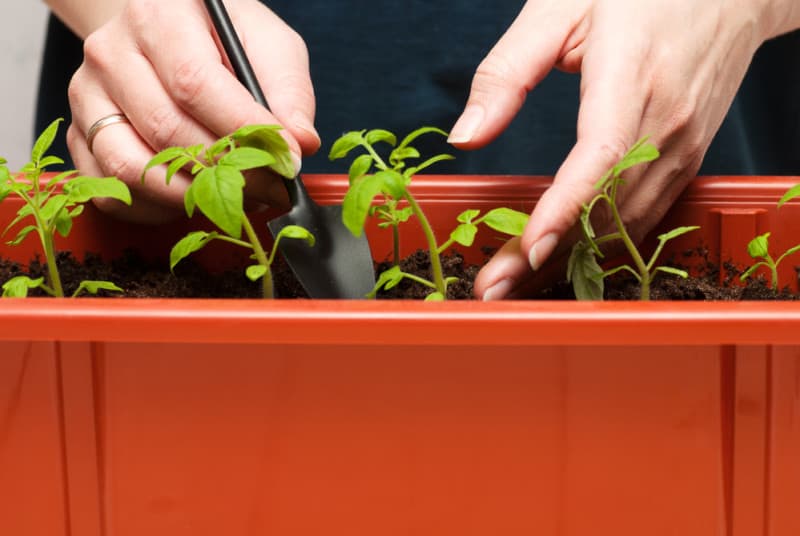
<point x="161" y="65"/>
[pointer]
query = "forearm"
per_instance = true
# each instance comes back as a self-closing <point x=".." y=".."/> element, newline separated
<point x="85" y="16"/>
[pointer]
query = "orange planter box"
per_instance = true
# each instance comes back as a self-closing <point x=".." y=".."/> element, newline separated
<point x="305" y="417"/>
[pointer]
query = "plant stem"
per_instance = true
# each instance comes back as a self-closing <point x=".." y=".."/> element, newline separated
<point x="50" y="258"/>
<point x="436" y="262"/>
<point x="258" y="251"/>
<point x="630" y="246"/>
<point x="396" y="243"/>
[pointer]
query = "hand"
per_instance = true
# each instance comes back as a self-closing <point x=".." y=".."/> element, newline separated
<point x="160" y="64"/>
<point x="668" y="69"/>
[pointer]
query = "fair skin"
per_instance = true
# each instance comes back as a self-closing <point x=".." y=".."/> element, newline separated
<point x="664" y="68"/>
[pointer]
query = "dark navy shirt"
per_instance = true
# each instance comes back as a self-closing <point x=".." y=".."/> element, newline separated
<point x="379" y="66"/>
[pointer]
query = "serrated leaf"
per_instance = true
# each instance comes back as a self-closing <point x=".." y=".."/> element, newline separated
<point x="435" y="296"/>
<point x="163" y="157"/>
<point x="296" y="232"/>
<point x="468" y="215"/>
<point x="93" y="287"/>
<point x="584" y="272"/>
<point x="678" y="231"/>
<point x="464" y="234"/>
<point x="255" y="272"/>
<point x="218" y="194"/>
<point x="187" y="245"/>
<point x="639" y="153"/>
<point x="506" y="220"/>
<point x="673" y="271"/>
<point x="44" y="141"/>
<point x="17" y="287"/>
<point x="53" y="206"/>
<point x="387" y="279"/>
<point x="50" y="161"/>
<point x="790" y="194"/>
<point x="22" y="213"/>
<point x="360" y="166"/>
<point x="197" y="168"/>
<point x="243" y="158"/>
<point x="358" y="201"/>
<point x="403" y="214"/>
<point x="346" y="143"/>
<point x="5" y="190"/>
<point x="188" y="200"/>
<point x="759" y="246"/>
<point x="82" y="189"/>
<point x="21" y="235"/>
<point x="268" y="138"/>
<point x="226" y="142"/>
<point x="378" y="135"/>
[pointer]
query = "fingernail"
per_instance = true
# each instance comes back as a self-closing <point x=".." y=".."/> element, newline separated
<point x="302" y="122"/>
<point x="467" y="124"/>
<point x="297" y="162"/>
<point x="541" y="250"/>
<point x="499" y="290"/>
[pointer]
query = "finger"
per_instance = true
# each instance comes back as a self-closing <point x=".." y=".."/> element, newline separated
<point x="282" y="68"/>
<point x="190" y="66"/>
<point x="609" y="120"/>
<point x="516" y="64"/>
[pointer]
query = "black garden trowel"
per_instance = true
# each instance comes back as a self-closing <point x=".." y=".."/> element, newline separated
<point x="339" y="265"/>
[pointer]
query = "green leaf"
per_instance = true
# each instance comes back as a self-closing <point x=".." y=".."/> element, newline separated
<point x="189" y="203"/>
<point x="44" y="141"/>
<point x="464" y="234"/>
<point x="759" y="246"/>
<point x="584" y="272"/>
<point x="378" y="135"/>
<point x="175" y="166"/>
<point x="394" y="184"/>
<point x="402" y="153"/>
<point x="53" y="206"/>
<point x="790" y="194"/>
<point x="82" y="189"/>
<point x="358" y="200"/>
<point x="360" y="166"/>
<point x="4" y="173"/>
<point x="77" y="211"/>
<point x="296" y="232"/>
<point x="5" y="190"/>
<point x="435" y="296"/>
<point x="506" y="220"/>
<point x="673" y="271"/>
<point x="243" y="158"/>
<point x="187" y="245"/>
<point x="225" y="142"/>
<point x="255" y="272"/>
<point x="63" y="176"/>
<point x="669" y="235"/>
<point x="427" y="163"/>
<point x="346" y="143"/>
<point x="419" y="132"/>
<point x="218" y="194"/>
<point x="468" y="215"/>
<point x="403" y="214"/>
<point x="22" y="213"/>
<point x="21" y="235"/>
<point x="268" y="138"/>
<point x="93" y="287"/>
<point x="50" y="161"/>
<point x="17" y="287"/>
<point x="388" y="279"/>
<point x="163" y="157"/>
<point x="63" y="222"/>
<point x="640" y="152"/>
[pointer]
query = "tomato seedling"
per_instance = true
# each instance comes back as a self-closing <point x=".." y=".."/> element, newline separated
<point x="583" y="268"/>
<point x="52" y="211"/>
<point x="217" y="191"/>
<point x="392" y="179"/>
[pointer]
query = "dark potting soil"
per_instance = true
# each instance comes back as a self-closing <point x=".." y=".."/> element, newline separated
<point x="148" y="279"/>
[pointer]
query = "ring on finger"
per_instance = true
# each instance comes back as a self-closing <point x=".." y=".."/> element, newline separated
<point x="102" y="123"/>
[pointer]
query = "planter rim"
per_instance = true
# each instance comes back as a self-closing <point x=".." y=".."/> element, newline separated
<point x="536" y="323"/>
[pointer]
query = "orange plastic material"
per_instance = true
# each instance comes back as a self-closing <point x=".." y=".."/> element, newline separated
<point x="205" y="417"/>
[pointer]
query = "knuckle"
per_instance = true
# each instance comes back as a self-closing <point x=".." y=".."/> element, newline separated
<point x="497" y="71"/>
<point x="612" y="148"/>
<point x="118" y="163"/>
<point x="188" y="83"/>
<point x="95" y="49"/>
<point x="161" y="127"/>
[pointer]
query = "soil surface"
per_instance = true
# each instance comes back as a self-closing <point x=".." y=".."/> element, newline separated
<point x="145" y="279"/>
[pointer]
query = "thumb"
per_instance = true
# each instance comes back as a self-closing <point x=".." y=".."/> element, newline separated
<point x="516" y="64"/>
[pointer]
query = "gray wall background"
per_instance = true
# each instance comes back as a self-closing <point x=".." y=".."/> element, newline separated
<point x="21" y="44"/>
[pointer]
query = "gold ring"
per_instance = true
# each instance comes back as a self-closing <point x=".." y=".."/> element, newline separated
<point x="101" y="124"/>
